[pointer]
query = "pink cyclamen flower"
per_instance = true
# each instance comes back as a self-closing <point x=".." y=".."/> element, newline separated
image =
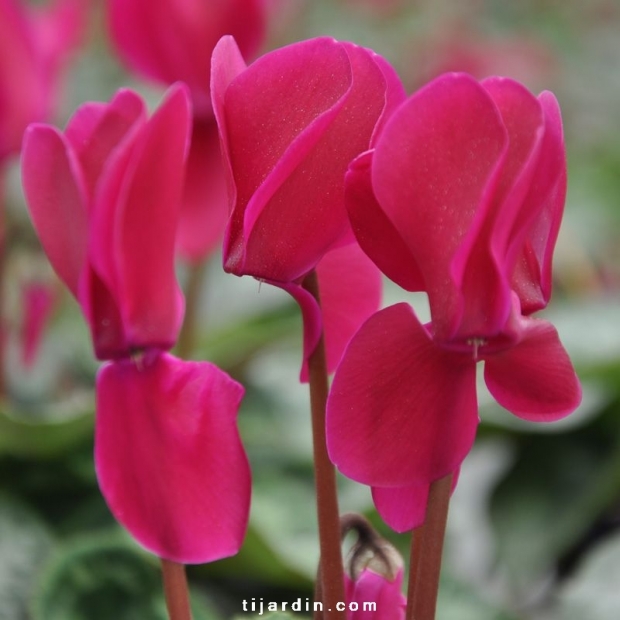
<point x="372" y="588"/>
<point x="290" y="123"/>
<point x="34" y="47"/>
<point x="169" y="41"/>
<point x="461" y="197"/>
<point x="104" y="197"/>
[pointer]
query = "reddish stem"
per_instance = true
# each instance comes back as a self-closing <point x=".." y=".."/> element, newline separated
<point x="175" y="590"/>
<point x="331" y="586"/>
<point x="426" y="552"/>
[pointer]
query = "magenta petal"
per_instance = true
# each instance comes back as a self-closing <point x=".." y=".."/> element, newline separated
<point x="402" y="508"/>
<point x="56" y="195"/>
<point x="311" y="317"/>
<point x="534" y="379"/>
<point x="401" y="410"/>
<point x="483" y="267"/>
<point x="96" y="129"/>
<point x="169" y="460"/>
<point x="281" y="220"/>
<point x="373" y="230"/>
<point x="133" y="231"/>
<point x="532" y="278"/>
<point x="371" y="587"/>
<point x="350" y="291"/>
<point x="433" y="162"/>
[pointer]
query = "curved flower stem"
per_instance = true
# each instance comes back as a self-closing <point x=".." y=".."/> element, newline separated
<point x="331" y="586"/>
<point x="187" y="337"/>
<point x="175" y="590"/>
<point x="426" y="552"/>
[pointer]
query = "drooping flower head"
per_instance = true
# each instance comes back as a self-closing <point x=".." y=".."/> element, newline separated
<point x="104" y="197"/>
<point x="290" y="123"/>
<point x="461" y="197"/>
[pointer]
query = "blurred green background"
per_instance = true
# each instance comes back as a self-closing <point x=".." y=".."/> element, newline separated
<point x="534" y="530"/>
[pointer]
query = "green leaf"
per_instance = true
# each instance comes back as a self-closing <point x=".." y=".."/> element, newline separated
<point x="105" y="577"/>
<point x="25" y="544"/>
<point x="558" y="487"/>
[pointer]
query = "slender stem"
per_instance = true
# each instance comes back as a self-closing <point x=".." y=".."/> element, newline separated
<point x="3" y="255"/>
<point x="426" y="552"/>
<point x="187" y="337"/>
<point x="175" y="590"/>
<point x="331" y="570"/>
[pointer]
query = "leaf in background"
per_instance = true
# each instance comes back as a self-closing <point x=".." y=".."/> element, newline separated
<point x="103" y="577"/>
<point x="25" y="544"/>
<point x="558" y="487"/>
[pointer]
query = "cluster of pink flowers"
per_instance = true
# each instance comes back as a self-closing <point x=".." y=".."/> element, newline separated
<point x="457" y="191"/>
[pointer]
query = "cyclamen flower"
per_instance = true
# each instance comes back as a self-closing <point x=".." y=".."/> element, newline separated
<point x="34" y="46"/>
<point x="461" y="197"/>
<point x="104" y="197"/>
<point x="290" y="123"/>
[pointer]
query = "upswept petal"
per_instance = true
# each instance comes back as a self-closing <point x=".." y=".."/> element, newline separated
<point x="532" y="277"/>
<point x="350" y="291"/>
<point x="401" y="410"/>
<point x="137" y="205"/>
<point x="534" y="379"/>
<point x="226" y="64"/>
<point x="204" y="207"/>
<point x="307" y="210"/>
<point x="96" y="129"/>
<point x="374" y="232"/>
<point x="56" y="195"/>
<point x="482" y="267"/>
<point x="402" y="508"/>
<point x="271" y="128"/>
<point x="165" y="434"/>
<point x="433" y="163"/>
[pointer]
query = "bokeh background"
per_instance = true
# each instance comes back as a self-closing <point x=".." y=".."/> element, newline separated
<point x="534" y="529"/>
